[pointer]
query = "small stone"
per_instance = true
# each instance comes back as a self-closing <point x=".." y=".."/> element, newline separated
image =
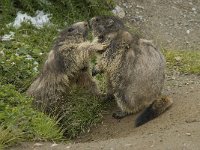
<point x="119" y="12"/>
<point x="137" y="18"/>
<point x="124" y="4"/>
<point x="53" y="145"/>
<point x="141" y="7"/>
<point x="193" y="9"/>
<point x="188" y="134"/>
<point x="68" y="147"/>
<point x="188" y="31"/>
<point x="38" y="144"/>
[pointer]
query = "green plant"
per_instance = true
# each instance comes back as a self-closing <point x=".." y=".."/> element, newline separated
<point x="20" y="61"/>
<point x="9" y="136"/>
<point x="21" y="121"/>
<point x="183" y="61"/>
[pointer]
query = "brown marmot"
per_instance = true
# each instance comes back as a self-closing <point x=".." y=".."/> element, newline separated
<point x="134" y="68"/>
<point x="66" y="66"/>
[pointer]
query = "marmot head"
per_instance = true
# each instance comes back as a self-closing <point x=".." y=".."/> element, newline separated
<point x="102" y="25"/>
<point x="76" y="30"/>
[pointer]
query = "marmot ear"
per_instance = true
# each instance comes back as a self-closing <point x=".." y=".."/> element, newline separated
<point x="110" y="22"/>
<point x="70" y="29"/>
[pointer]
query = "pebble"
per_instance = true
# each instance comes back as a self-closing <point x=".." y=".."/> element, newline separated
<point x="141" y="7"/>
<point x="68" y="147"/>
<point x="38" y="144"/>
<point x="188" y="134"/>
<point x="119" y="12"/>
<point x="188" y="31"/>
<point x="53" y="145"/>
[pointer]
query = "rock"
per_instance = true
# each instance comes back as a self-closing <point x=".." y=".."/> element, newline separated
<point x="118" y="11"/>
<point x="188" y="31"/>
<point x="190" y="3"/>
<point x="137" y="18"/>
<point x="37" y="144"/>
<point x="53" y="145"/>
<point x="188" y="134"/>
<point x="193" y="9"/>
<point x="141" y="7"/>
<point x="68" y="147"/>
<point x="125" y="5"/>
<point x="128" y="145"/>
<point x="7" y="37"/>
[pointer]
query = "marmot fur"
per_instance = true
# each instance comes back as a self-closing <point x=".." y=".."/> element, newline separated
<point x="66" y="66"/>
<point x="134" y="68"/>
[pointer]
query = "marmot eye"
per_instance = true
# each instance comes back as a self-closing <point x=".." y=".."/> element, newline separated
<point x="70" y="29"/>
<point x="86" y="25"/>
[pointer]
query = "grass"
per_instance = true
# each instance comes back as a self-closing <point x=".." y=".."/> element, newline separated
<point x="19" y="121"/>
<point x="187" y="62"/>
<point x="9" y="136"/>
<point x="82" y="111"/>
<point x="20" y="62"/>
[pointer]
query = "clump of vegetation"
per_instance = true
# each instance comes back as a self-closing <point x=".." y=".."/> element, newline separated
<point x="21" y="57"/>
<point x="82" y="111"/>
<point x="20" y="61"/>
<point x="18" y="120"/>
<point x="183" y="61"/>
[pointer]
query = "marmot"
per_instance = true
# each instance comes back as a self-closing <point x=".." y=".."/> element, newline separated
<point x="66" y="65"/>
<point x="134" y="68"/>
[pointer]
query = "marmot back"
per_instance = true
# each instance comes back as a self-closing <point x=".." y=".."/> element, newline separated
<point x="134" y="68"/>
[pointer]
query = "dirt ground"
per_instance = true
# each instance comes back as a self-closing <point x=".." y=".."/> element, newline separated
<point x="178" y="128"/>
<point x="172" y="24"/>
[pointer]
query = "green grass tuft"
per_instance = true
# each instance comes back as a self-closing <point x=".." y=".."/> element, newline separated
<point x="9" y="136"/>
<point x="19" y="121"/>
<point x="82" y="111"/>
<point x="183" y="61"/>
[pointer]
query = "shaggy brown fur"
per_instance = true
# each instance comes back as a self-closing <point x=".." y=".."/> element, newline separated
<point x="134" y="68"/>
<point x="66" y="66"/>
